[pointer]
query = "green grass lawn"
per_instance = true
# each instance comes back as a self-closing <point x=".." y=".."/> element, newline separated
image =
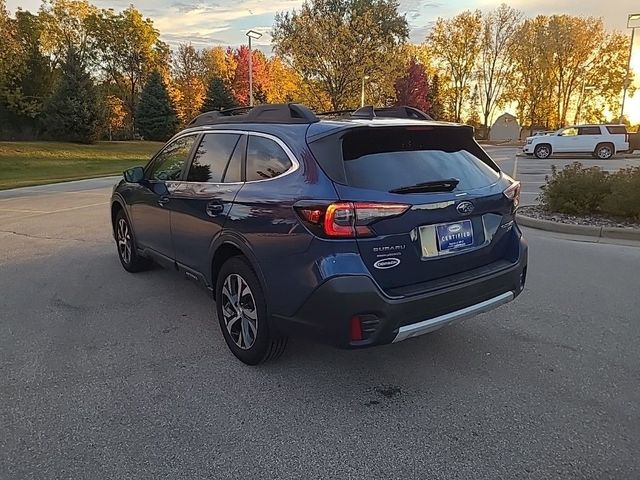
<point x="35" y="163"/>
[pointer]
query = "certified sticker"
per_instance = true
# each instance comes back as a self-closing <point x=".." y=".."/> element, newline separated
<point x="386" y="263"/>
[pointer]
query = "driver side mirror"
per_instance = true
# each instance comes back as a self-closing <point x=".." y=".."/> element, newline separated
<point x="134" y="175"/>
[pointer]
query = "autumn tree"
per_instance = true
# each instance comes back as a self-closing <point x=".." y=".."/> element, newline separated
<point x="11" y="52"/>
<point x="530" y="86"/>
<point x="218" y="96"/>
<point x="68" y="24"/>
<point x="217" y="62"/>
<point x="155" y="117"/>
<point x="566" y="69"/>
<point x="114" y="115"/>
<point x="456" y="43"/>
<point x="334" y="43"/>
<point x="284" y="84"/>
<point x="413" y="88"/>
<point x="188" y="80"/>
<point x="73" y="112"/>
<point x="129" y="50"/>
<point x="240" y="82"/>
<point x="495" y="66"/>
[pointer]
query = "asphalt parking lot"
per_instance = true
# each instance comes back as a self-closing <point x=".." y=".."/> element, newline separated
<point x="532" y="171"/>
<point x="104" y="374"/>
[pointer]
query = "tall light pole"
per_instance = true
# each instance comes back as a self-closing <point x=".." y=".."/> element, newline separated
<point x="251" y="34"/>
<point x="633" y="22"/>
<point x="364" y="77"/>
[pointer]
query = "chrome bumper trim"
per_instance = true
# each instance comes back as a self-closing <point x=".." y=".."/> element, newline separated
<point x="426" y="326"/>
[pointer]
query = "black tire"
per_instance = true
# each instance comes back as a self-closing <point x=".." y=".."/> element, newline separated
<point x="251" y="341"/>
<point x="542" y="151"/>
<point x="604" y="151"/>
<point x="126" y="246"/>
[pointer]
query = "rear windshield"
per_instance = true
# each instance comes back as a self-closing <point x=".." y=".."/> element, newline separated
<point x="390" y="170"/>
<point x="385" y="160"/>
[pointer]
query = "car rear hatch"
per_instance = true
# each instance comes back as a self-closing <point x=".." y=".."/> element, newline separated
<point x="427" y="202"/>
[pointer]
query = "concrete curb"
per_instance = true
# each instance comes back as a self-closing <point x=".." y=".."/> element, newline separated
<point x="586" y="230"/>
<point x="618" y="155"/>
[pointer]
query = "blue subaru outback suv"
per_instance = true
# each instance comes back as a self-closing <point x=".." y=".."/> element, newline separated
<point x="355" y="229"/>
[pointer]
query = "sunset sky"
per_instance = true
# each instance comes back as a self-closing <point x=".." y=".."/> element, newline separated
<point x="223" y="22"/>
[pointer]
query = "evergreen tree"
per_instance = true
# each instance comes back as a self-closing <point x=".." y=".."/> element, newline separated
<point x="155" y="116"/>
<point x="73" y="112"/>
<point x="434" y="98"/>
<point x="218" y="96"/>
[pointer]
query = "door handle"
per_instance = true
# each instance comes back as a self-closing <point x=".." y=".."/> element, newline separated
<point x="214" y="208"/>
<point x="162" y="201"/>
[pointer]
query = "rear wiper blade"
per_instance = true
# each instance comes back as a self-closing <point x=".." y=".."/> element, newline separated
<point x="445" y="185"/>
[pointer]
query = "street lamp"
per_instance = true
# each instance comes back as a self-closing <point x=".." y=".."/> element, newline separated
<point x="251" y="34"/>
<point x="633" y="22"/>
<point x="365" y="77"/>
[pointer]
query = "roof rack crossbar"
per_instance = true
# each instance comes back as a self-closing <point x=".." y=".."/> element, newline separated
<point x="371" y="112"/>
<point x="267" y="113"/>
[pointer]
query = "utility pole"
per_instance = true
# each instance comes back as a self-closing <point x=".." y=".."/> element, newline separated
<point x="633" y="22"/>
<point x="251" y="34"/>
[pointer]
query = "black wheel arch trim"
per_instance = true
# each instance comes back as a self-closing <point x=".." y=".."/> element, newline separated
<point x="239" y="242"/>
<point x="117" y="199"/>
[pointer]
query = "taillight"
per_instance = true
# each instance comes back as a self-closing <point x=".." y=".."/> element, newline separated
<point x="348" y="219"/>
<point x="513" y="194"/>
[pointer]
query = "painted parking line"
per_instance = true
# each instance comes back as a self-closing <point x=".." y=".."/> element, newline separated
<point x="49" y="212"/>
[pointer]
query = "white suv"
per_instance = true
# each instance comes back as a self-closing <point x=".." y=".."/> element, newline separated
<point x="602" y="141"/>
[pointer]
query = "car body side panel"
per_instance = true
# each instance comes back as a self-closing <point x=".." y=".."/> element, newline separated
<point x="198" y="214"/>
<point x="263" y="218"/>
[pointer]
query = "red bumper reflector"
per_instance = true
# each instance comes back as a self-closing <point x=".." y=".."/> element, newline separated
<point x="356" y="328"/>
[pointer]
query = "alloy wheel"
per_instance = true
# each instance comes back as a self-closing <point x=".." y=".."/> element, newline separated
<point x="239" y="311"/>
<point x="124" y="241"/>
<point x="604" y="152"/>
<point x="543" y="152"/>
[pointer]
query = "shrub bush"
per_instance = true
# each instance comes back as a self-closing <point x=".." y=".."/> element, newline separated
<point x="575" y="190"/>
<point x="624" y="198"/>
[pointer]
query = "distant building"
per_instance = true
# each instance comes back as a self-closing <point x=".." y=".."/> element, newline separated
<point x="505" y="128"/>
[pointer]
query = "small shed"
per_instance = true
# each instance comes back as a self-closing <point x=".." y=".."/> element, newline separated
<point x="505" y="129"/>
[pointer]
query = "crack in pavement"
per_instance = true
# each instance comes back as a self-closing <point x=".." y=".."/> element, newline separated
<point x="42" y="237"/>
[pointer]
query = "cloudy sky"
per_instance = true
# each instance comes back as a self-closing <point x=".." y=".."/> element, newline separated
<point x="216" y="22"/>
<point x="224" y="22"/>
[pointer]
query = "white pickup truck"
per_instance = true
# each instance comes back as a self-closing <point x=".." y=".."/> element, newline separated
<point x="602" y="141"/>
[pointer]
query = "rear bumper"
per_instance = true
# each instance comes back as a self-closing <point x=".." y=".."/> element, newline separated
<point x="326" y="315"/>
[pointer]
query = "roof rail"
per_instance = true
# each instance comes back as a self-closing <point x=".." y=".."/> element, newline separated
<point x="267" y="113"/>
<point x="371" y="112"/>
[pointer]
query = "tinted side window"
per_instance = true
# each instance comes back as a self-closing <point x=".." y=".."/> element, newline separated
<point x="233" y="172"/>
<point x="589" y="131"/>
<point x="617" y="130"/>
<point x="569" y="132"/>
<point x="265" y="159"/>
<point x="169" y="163"/>
<point x="211" y="157"/>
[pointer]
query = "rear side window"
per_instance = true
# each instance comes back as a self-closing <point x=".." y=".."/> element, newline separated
<point x="589" y="131"/>
<point x="379" y="160"/>
<point x="617" y="130"/>
<point x="211" y="157"/>
<point x="265" y="159"/>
